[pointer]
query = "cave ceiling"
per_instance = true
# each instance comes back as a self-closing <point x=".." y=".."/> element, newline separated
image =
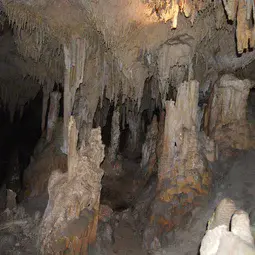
<point x="125" y="42"/>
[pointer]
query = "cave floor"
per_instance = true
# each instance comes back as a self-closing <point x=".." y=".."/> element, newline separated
<point x="233" y="178"/>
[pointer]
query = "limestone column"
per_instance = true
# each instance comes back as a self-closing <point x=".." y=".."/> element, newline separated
<point x="182" y="173"/>
<point x="226" y="114"/>
<point x="70" y="220"/>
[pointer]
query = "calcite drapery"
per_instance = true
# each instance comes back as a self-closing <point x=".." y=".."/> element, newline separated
<point x="53" y="113"/>
<point x="70" y="219"/>
<point x="225" y="118"/>
<point x="182" y="173"/>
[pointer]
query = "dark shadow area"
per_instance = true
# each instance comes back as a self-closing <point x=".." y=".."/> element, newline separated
<point x="18" y="140"/>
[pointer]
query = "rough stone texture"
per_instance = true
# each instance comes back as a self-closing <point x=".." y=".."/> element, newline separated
<point x="210" y="149"/>
<point x="105" y="213"/>
<point x="70" y="219"/>
<point x="222" y="214"/>
<point x="183" y="173"/>
<point x="18" y="232"/>
<point x="226" y="118"/>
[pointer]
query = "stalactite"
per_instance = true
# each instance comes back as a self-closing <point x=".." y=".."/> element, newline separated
<point x="173" y="60"/>
<point x="53" y="114"/>
<point x="75" y="55"/>
<point x="115" y="135"/>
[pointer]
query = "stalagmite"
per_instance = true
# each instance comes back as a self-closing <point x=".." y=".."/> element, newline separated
<point x="226" y="120"/>
<point x="115" y="135"/>
<point x="70" y="220"/>
<point x="53" y="114"/>
<point x="182" y="172"/>
<point x="229" y="232"/>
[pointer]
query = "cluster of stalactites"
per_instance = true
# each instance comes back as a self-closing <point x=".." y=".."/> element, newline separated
<point x="169" y="10"/>
<point x="244" y="12"/>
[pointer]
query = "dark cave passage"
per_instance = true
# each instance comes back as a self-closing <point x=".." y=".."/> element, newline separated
<point x="18" y="141"/>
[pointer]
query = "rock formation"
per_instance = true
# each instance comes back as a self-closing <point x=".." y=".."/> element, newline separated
<point x="229" y="232"/>
<point x="183" y="173"/>
<point x="74" y="197"/>
<point x="160" y="71"/>
<point x="226" y="116"/>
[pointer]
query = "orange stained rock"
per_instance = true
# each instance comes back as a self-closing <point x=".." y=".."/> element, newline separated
<point x="206" y="178"/>
<point x="168" y="194"/>
<point x="185" y="189"/>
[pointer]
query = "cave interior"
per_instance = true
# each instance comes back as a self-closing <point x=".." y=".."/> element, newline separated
<point x="124" y="124"/>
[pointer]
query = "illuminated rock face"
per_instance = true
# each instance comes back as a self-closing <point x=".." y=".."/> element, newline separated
<point x="226" y="115"/>
<point x="70" y="219"/>
<point x="183" y="174"/>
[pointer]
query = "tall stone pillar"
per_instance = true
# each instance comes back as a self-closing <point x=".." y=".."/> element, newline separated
<point x="226" y="114"/>
<point x="70" y="220"/>
<point x="182" y="172"/>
